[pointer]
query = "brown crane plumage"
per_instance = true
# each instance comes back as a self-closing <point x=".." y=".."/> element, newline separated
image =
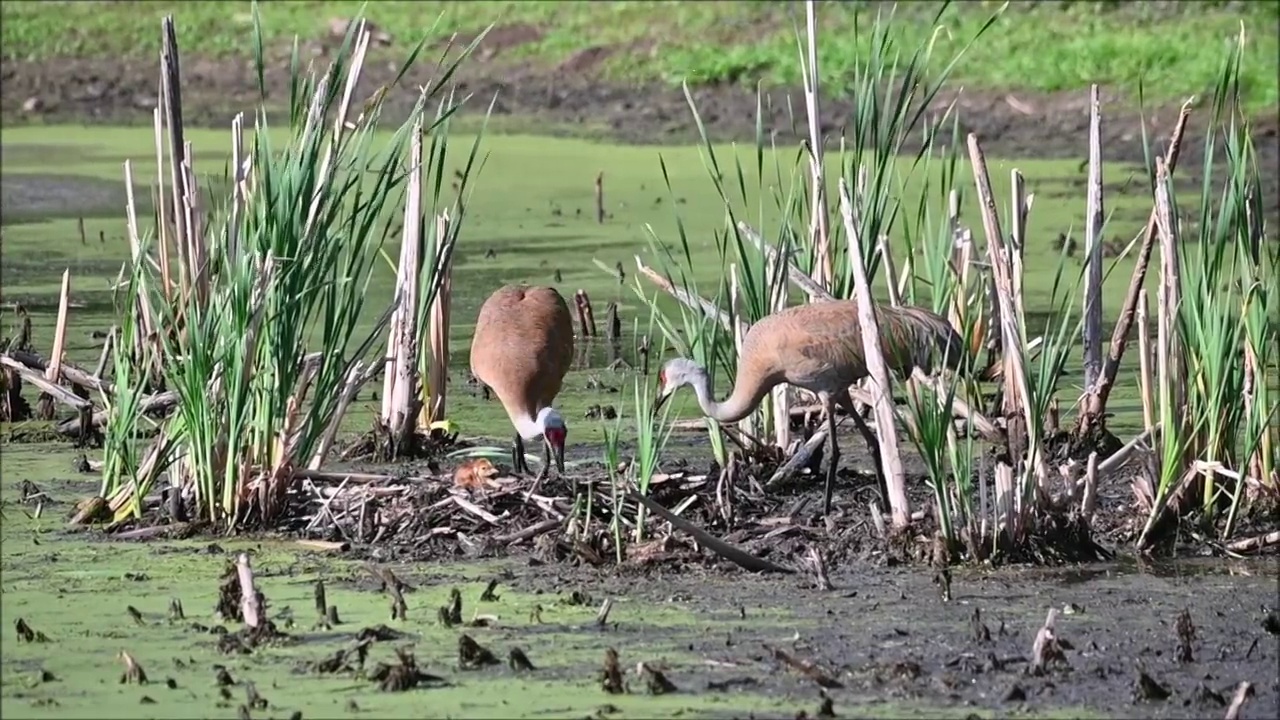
<point x="522" y="349"/>
<point x="818" y="347"/>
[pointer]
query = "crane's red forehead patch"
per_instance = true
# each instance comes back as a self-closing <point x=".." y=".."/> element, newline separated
<point x="556" y="436"/>
<point x="662" y="376"/>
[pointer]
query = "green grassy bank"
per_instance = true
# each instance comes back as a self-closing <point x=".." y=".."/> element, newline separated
<point x="1174" y="48"/>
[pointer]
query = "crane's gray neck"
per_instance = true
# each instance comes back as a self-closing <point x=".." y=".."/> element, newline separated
<point x="737" y="406"/>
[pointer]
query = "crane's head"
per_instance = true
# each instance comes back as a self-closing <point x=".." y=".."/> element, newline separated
<point x="677" y="373"/>
<point x="554" y="432"/>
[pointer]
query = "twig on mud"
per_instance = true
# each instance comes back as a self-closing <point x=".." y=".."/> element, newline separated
<point x="1256" y="543"/>
<point x="147" y="533"/>
<point x="475" y="510"/>
<point x="819" y="567"/>
<point x="394" y="587"/>
<point x="324" y="545"/>
<point x="528" y="533"/>
<point x="133" y="672"/>
<point x="1046" y="648"/>
<point x="805" y="667"/>
<point x="739" y="557"/>
<point x="611" y="674"/>
<point x="1243" y="692"/>
<point x="654" y="679"/>
<point x="877" y="519"/>
<point x="602" y="617"/>
<point x="798" y="459"/>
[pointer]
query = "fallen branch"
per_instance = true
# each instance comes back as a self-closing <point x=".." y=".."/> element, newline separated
<point x="1255" y="543"/>
<point x="739" y="557"/>
<point x="55" y="391"/>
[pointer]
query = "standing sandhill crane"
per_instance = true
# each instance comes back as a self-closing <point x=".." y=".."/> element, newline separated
<point x="819" y="347"/>
<point x="522" y="348"/>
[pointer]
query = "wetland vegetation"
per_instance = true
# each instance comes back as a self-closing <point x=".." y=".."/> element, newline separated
<point x="678" y="567"/>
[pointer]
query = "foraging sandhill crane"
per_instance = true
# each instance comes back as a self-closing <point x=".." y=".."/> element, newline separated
<point x="522" y="348"/>
<point x="818" y="347"/>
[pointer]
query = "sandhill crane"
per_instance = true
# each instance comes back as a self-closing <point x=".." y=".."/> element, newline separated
<point x="818" y="347"/>
<point x="522" y="348"/>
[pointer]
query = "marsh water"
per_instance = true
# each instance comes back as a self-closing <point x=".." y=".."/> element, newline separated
<point x="883" y="640"/>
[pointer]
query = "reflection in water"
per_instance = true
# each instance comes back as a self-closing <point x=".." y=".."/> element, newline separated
<point x="1172" y="568"/>
<point x="599" y="353"/>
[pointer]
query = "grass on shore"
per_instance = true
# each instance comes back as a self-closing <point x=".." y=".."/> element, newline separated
<point x="1173" y="48"/>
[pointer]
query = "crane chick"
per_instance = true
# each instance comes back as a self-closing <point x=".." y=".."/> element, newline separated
<point x="818" y="347"/>
<point x="522" y="349"/>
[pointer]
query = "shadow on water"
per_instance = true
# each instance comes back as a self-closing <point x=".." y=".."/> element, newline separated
<point x="28" y="198"/>
<point x="36" y="197"/>
<point x="1131" y="565"/>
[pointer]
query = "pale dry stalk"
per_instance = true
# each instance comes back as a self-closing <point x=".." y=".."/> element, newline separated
<point x="399" y="419"/>
<point x="1017" y="394"/>
<point x="818" y="226"/>
<point x="249" y="605"/>
<point x="1093" y="249"/>
<point x="1097" y="401"/>
<point x="438" y="373"/>
<point x="890" y="457"/>
<point x="1146" y="383"/>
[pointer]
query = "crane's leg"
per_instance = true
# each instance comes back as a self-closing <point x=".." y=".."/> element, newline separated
<point x="873" y="445"/>
<point x="518" y="464"/>
<point x="829" y="406"/>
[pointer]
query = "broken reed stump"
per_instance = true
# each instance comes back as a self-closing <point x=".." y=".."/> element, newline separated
<point x="586" y="317"/>
<point x="53" y="371"/>
<point x="613" y="323"/>
<point x="250" y="602"/>
<point x="643" y="352"/>
<point x="600" y="197"/>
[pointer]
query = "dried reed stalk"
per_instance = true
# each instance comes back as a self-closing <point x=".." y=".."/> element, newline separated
<point x="1021" y="437"/>
<point x="823" y="268"/>
<point x="1097" y="401"/>
<point x="400" y="383"/>
<point x="890" y="457"/>
<point x="438" y="374"/>
<point x="747" y="424"/>
<point x="781" y="402"/>
<point x="162" y="225"/>
<point x="1146" y="384"/>
<point x="1092" y="331"/>
<point x="53" y="371"/>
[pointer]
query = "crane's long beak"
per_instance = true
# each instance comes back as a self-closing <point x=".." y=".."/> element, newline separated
<point x="557" y="452"/>
<point x="662" y="398"/>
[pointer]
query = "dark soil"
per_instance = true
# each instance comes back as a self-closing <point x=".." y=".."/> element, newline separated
<point x="573" y="97"/>
<point x="883" y="636"/>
